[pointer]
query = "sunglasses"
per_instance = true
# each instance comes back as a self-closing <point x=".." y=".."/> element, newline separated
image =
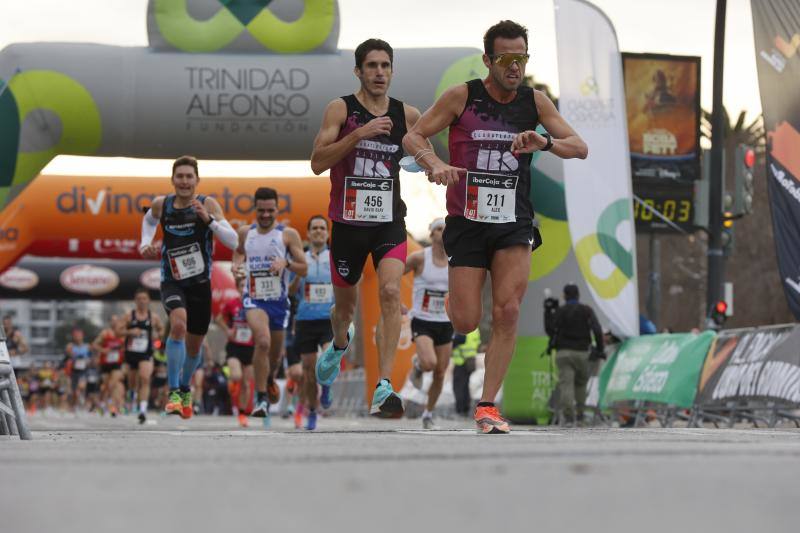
<point x="505" y="60"/>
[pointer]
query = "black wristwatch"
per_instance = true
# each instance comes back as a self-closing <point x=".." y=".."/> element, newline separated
<point x="549" y="142"/>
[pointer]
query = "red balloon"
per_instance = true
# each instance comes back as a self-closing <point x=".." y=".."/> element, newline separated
<point x="223" y="288"/>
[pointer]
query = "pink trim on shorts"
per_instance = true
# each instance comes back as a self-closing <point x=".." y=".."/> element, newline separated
<point x="399" y="252"/>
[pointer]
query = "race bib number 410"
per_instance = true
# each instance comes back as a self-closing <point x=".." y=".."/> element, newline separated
<point x="491" y="198"/>
<point x="368" y="199"/>
<point x="186" y="261"/>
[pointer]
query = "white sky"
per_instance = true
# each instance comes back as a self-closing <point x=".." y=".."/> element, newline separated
<point x="681" y="27"/>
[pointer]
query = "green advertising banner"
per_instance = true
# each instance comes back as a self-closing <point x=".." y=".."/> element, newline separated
<point x="656" y="368"/>
<point x="529" y="382"/>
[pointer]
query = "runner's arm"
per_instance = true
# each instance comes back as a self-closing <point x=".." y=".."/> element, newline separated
<point x="294" y="286"/>
<point x="158" y="326"/>
<point x="327" y="150"/>
<point x="149" y="227"/>
<point x="416" y="142"/>
<point x="297" y="264"/>
<point x="97" y="343"/>
<point x="237" y="261"/>
<point x="221" y="227"/>
<point x="22" y="346"/>
<point x="413" y="263"/>
<point x="220" y="321"/>
<point x="567" y="144"/>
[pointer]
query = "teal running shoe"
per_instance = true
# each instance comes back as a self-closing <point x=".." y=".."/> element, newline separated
<point x="385" y="402"/>
<point x="329" y="362"/>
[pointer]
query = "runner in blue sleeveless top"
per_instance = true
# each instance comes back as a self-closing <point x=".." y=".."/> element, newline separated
<point x="312" y="322"/>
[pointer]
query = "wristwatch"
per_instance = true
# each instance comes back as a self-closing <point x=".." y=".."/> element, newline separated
<point x="549" y="142"/>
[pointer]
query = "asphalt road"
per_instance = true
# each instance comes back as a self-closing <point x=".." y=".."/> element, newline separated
<point x="91" y="474"/>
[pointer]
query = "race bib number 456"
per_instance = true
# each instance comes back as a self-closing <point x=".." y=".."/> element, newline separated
<point x="368" y="199"/>
<point x="491" y="198"/>
<point x="186" y="261"/>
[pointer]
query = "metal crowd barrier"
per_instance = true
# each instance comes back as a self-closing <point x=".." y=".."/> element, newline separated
<point x="12" y="412"/>
<point x="348" y="394"/>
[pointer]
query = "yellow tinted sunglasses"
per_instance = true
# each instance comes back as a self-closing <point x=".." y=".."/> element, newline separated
<point x="505" y="60"/>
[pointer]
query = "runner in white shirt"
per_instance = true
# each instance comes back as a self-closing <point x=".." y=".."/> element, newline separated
<point x="430" y="325"/>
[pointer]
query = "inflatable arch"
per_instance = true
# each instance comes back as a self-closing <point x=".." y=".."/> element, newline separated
<point x="220" y="80"/>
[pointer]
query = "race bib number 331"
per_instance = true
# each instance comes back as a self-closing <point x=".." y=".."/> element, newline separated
<point x="368" y="199"/>
<point x="491" y="198"/>
<point x="265" y="285"/>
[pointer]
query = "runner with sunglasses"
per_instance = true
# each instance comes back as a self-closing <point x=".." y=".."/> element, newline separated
<point x="490" y="217"/>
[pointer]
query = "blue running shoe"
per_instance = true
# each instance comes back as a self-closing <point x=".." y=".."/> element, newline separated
<point x="330" y="360"/>
<point x="385" y="402"/>
<point x="261" y="409"/>
<point x="311" y="421"/>
<point x="267" y="420"/>
<point x="326" y="397"/>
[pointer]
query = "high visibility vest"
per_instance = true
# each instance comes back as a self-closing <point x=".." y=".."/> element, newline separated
<point x="467" y="350"/>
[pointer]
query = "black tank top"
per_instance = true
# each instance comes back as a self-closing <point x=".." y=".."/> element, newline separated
<point x="480" y="141"/>
<point x="375" y="158"/>
<point x="187" y="247"/>
<point x="142" y="343"/>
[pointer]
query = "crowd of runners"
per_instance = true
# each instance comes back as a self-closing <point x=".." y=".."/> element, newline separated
<point x="362" y="140"/>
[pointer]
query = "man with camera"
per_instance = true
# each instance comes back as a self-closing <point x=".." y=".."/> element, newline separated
<point x="571" y="333"/>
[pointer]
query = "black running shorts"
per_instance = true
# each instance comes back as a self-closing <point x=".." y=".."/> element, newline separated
<point x="350" y="246"/>
<point x="440" y="332"/>
<point x="196" y="299"/>
<point x="473" y="244"/>
<point x="310" y="334"/>
<point x="241" y="352"/>
<point x="132" y="359"/>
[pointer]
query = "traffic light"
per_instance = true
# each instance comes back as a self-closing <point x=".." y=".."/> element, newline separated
<point x="745" y="159"/>
<point x="727" y="239"/>
<point x="718" y="312"/>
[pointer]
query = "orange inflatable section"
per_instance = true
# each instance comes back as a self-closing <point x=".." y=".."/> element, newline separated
<point x="65" y="216"/>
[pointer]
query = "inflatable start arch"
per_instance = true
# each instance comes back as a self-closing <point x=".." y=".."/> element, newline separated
<point x="220" y="80"/>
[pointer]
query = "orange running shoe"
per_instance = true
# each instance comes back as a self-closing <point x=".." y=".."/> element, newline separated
<point x="174" y="406"/>
<point x="243" y="420"/>
<point x="298" y="416"/>
<point x="186" y="405"/>
<point x="273" y="393"/>
<point x="490" y="422"/>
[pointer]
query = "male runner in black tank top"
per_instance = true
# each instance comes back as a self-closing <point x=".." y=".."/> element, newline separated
<point x="490" y="222"/>
<point x="142" y="329"/>
<point x="188" y="221"/>
<point x="360" y="142"/>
